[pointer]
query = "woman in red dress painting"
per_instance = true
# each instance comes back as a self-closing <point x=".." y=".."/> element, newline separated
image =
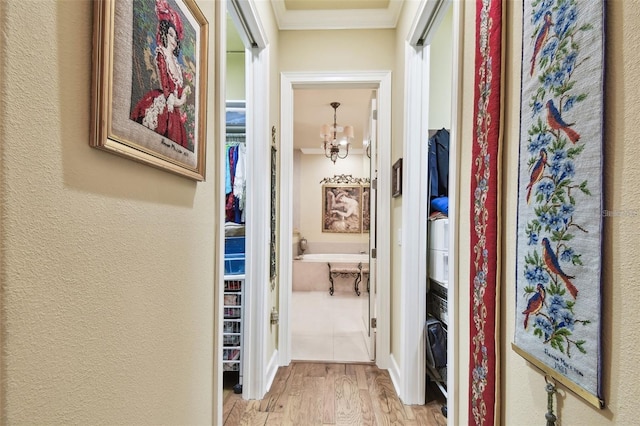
<point x="159" y="109"/>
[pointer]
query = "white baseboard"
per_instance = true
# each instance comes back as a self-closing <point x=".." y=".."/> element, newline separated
<point x="272" y="369"/>
<point x="394" y="373"/>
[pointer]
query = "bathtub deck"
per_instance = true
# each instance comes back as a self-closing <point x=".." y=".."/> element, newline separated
<point x="311" y="272"/>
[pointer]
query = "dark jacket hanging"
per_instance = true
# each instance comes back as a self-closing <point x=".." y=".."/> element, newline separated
<point x="439" y="164"/>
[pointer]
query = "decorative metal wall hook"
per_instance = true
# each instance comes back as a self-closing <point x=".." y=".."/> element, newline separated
<point x="550" y="387"/>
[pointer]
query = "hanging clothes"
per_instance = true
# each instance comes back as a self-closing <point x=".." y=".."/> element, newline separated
<point x="438" y="169"/>
<point x="240" y="181"/>
<point x="227" y="174"/>
<point x="235" y="180"/>
<point x="439" y="164"/>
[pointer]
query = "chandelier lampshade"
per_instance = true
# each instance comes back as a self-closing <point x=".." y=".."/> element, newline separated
<point x="336" y="140"/>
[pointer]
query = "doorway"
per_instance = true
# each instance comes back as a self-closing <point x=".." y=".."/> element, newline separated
<point x="253" y="74"/>
<point x="381" y="82"/>
<point x="234" y="286"/>
<point x="433" y="61"/>
<point x="330" y="315"/>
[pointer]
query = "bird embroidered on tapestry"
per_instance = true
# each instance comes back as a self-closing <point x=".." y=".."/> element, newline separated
<point x="551" y="260"/>
<point x="554" y="118"/>
<point x="537" y="172"/>
<point x="535" y="303"/>
<point x="541" y="39"/>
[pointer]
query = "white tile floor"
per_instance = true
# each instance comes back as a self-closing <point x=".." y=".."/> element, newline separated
<point x="328" y="328"/>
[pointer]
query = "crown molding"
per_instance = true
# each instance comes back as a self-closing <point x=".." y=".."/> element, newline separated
<point x="336" y="19"/>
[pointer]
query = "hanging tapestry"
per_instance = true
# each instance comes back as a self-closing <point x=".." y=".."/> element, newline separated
<point x="484" y="214"/>
<point x="558" y="296"/>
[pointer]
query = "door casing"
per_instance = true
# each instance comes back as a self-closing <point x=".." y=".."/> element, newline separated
<point x="289" y="81"/>
<point x="411" y="374"/>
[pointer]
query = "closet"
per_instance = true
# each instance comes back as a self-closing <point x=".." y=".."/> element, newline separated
<point x="234" y="247"/>
<point x="235" y="286"/>
<point x="440" y="283"/>
<point x="235" y="165"/>
<point x="438" y="260"/>
<point x="232" y="336"/>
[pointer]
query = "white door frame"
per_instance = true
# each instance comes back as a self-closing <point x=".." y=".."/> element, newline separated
<point x="258" y="191"/>
<point x="417" y="65"/>
<point x="289" y="81"/>
<point x="369" y="333"/>
<point x="258" y="224"/>
<point x="411" y="383"/>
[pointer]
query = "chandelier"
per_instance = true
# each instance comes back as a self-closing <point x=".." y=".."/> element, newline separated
<point x="336" y="140"/>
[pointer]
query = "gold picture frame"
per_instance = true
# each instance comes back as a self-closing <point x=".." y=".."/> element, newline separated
<point x="273" y="265"/>
<point x="396" y="178"/>
<point x="149" y="83"/>
<point x="366" y="208"/>
<point x="341" y="208"/>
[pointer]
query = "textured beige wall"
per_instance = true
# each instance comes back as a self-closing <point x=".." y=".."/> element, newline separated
<point x="107" y="264"/>
<point x="334" y="50"/>
<point x="524" y="400"/>
<point x="235" y="81"/>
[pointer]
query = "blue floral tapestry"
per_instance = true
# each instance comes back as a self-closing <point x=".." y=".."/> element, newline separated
<point x="558" y="297"/>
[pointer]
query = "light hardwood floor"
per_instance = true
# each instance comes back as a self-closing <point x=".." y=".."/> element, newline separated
<point x="314" y="393"/>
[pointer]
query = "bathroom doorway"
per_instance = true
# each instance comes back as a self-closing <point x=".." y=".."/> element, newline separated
<point x="330" y="309"/>
<point x="296" y="224"/>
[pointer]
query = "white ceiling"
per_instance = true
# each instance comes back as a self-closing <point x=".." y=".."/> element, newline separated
<point x="312" y="106"/>
<point x="312" y="109"/>
<point x="335" y="4"/>
<point x="336" y="14"/>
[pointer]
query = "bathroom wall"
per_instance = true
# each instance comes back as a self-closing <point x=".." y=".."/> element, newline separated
<point x="311" y="169"/>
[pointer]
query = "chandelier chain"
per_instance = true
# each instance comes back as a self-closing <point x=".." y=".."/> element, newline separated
<point x="332" y="148"/>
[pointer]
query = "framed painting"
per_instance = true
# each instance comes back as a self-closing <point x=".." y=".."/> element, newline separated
<point x="150" y="83"/>
<point x="341" y="208"/>
<point x="396" y="179"/>
<point x="366" y="208"/>
<point x="273" y="268"/>
<point x="559" y="233"/>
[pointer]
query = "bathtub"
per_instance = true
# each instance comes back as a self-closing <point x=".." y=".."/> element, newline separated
<point x="311" y="272"/>
<point x="334" y="258"/>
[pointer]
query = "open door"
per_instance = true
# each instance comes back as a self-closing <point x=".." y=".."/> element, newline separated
<point x="369" y="311"/>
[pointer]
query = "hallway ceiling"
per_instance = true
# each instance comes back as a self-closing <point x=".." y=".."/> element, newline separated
<point x="336" y="14"/>
<point x="312" y="106"/>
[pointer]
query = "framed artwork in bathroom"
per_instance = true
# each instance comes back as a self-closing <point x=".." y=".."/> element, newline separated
<point x="366" y="208"/>
<point x="342" y="208"/>
<point x="149" y="83"/>
<point x="273" y="267"/>
<point x="396" y="178"/>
